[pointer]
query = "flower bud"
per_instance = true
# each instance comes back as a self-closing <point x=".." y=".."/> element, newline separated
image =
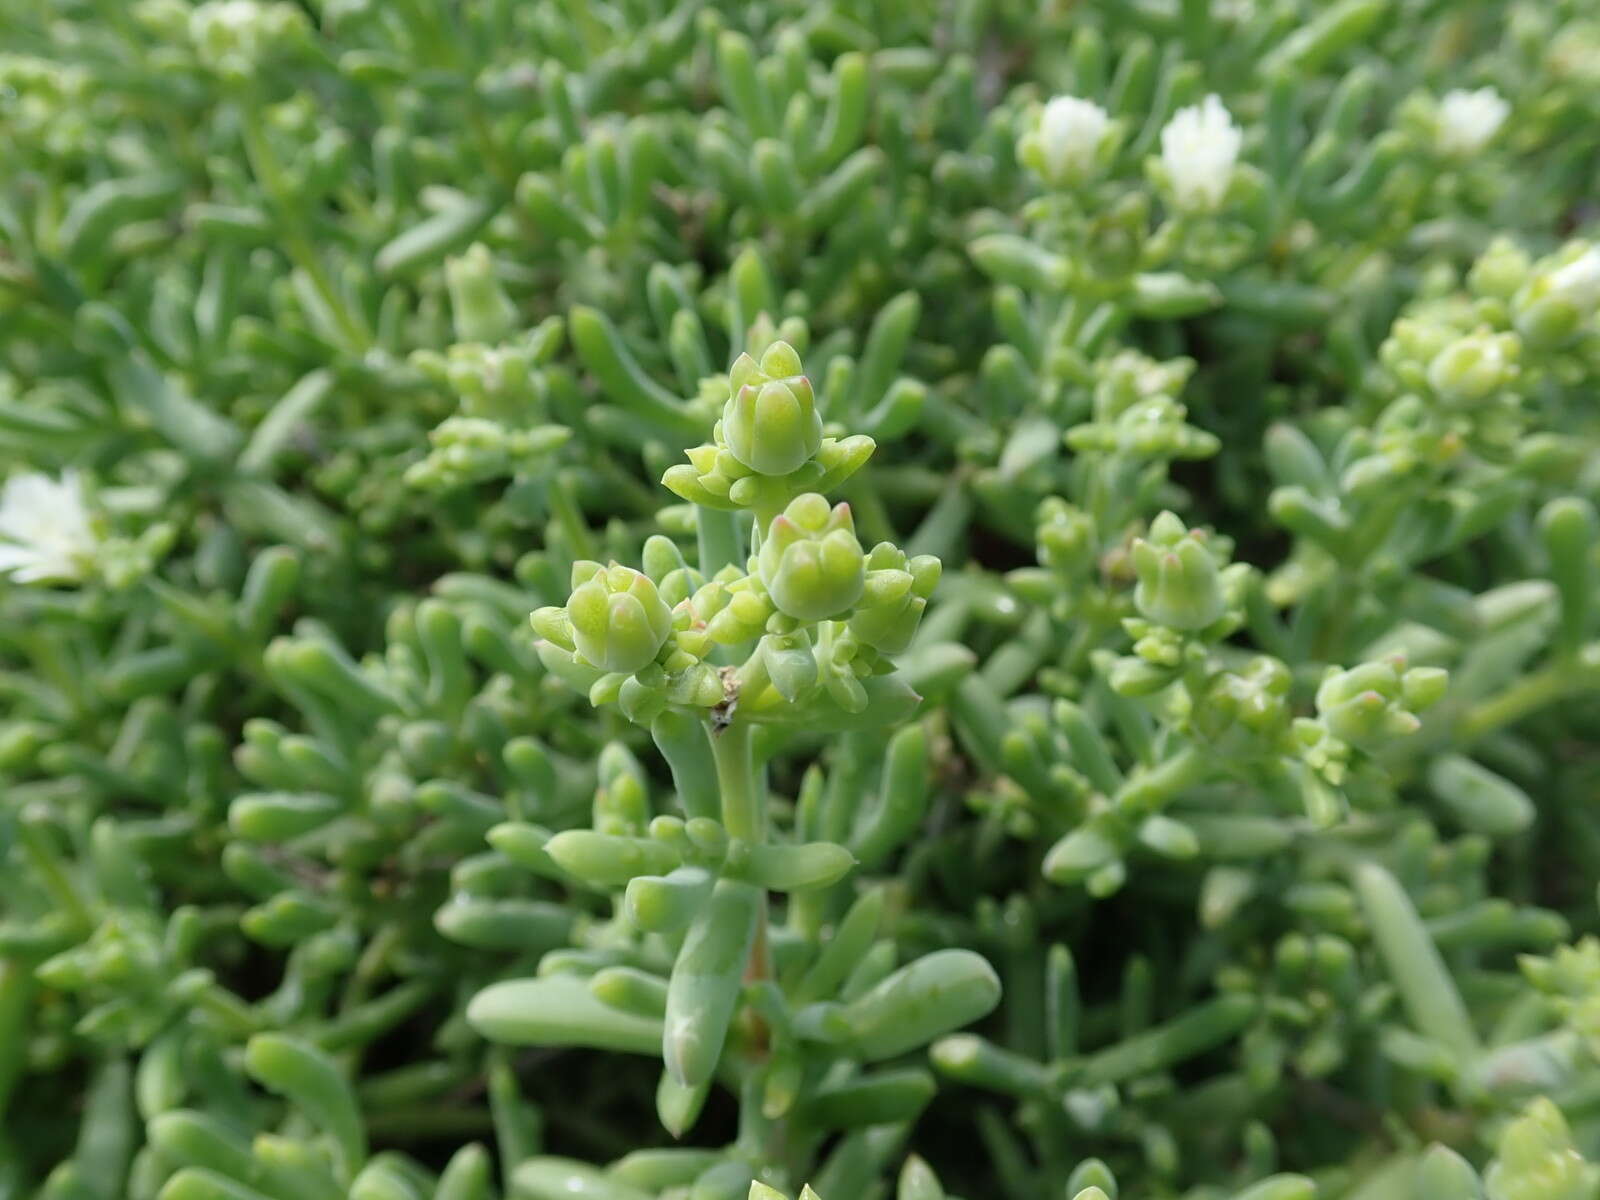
<point x="1371" y="704"/>
<point x="1475" y="367"/>
<point x="1199" y="150"/>
<point x="1538" y="1161"/>
<point x="1179" y="584"/>
<point x="1551" y="309"/>
<point x="1468" y="120"/>
<point x="1256" y="697"/>
<point x="1066" y="537"/>
<point x="894" y="598"/>
<point x="1500" y="270"/>
<point x="481" y="309"/>
<point x="231" y="36"/>
<point x="770" y="421"/>
<point x="1066" y="142"/>
<point x="619" y="621"/>
<point x="810" y="562"/>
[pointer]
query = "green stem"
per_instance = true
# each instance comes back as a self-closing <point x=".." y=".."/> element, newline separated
<point x="718" y="535"/>
<point x="744" y="816"/>
<point x="564" y="507"/>
<point x="1529" y="694"/>
<point x="1151" y="791"/>
<point x="742" y="813"/>
<point x="229" y="1011"/>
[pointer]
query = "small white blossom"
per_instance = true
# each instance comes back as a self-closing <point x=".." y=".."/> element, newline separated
<point x="1578" y="282"/>
<point x="1199" y="148"/>
<point x="45" y="533"/>
<point x="1070" y="133"/>
<point x="231" y="35"/>
<point x="226" y="18"/>
<point x="1467" y="120"/>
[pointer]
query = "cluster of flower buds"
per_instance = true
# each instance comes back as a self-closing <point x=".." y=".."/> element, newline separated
<point x="1137" y="411"/>
<point x="1368" y="707"/>
<point x="1180" y="584"/>
<point x="467" y="450"/>
<point x="1538" y="1160"/>
<point x="230" y="37"/>
<point x="828" y="614"/>
<point x="768" y="447"/>
<point x="617" y="640"/>
<point x="1570" y="977"/>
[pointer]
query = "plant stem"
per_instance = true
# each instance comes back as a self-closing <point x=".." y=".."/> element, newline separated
<point x="1150" y="791"/>
<point x="564" y="507"/>
<point x="718" y="536"/>
<point x="1532" y="692"/>
<point x="742" y="814"/>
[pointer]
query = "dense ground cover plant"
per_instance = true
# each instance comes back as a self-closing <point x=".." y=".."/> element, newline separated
<point x="665" y="599"/>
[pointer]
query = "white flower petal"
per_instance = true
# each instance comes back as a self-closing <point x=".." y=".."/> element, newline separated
<point x="46" y="527"/>
<point x="1070" y="133"/>
<point x="1199" y="148"/>
<point x="1467" y="120"/>
<point x="13" y="556"/>
<point x="1578" y="282"/>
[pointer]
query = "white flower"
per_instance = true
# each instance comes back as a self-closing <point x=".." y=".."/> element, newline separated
<point x="1199" y="148"/>
<point x="45" y="533"/>
<point x="231" y="18"/>
<point x="1070" y="133"/>
<point x="1578" y="282"/>
<point x="231" y="35"/>
<point x="1467" y="120"/>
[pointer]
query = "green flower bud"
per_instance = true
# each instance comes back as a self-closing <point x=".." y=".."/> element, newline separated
<point x="482" y="310"/>
<point x="770" y="421"/>
<point x="733" y="609"/>
<point x="811" y="563"/>
<point x="1573" y="969"/>
<point x="665" y="565"/>
<point x="1538" y="1160"/>
<point x="1179" y="583"/>
<point x="1255" y="697"/>
<point x="894" y="598"/>
<point x="1066" y="537"/>
<point x="1154" y="427"/>
<point x="1475" y="367"/>
<point x="714" y="478"/>
<point x="1552" y="308"/>
<point x="1412" y="344"/>
<point x="1128" y="377"/>
<point x="791" y="664"/>
<point x="1371" y="704"/>
<point x="619" y="621"/>
<point x="1500" y="270"/>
